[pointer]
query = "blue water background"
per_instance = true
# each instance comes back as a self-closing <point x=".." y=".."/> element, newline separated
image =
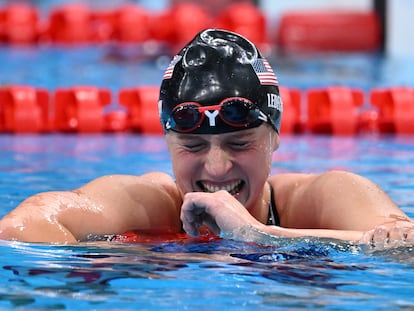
<point x="215" y="275"/>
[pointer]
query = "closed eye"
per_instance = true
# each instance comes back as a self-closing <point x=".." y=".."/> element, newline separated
<point x="193" y="147"/>
<point x="239" y="145"/>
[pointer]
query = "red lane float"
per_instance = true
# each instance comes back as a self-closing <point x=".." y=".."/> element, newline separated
<point x="70" y="23"/>
<point x="116" y="121"/>
<point x="77" y="23"/>
<point x="24" y="109"/>
<point x="292" y="111"/>
<point x="333" y="110"/>
<point x="150" y="237"/>
<point x="142" y="106"/>
<point x="395" y="109"/>
<point x="180" y="23"/>
<point x="155" y="236"/>
<point x="19" y="24"/>
<point x="80" y="109"/>
<point x="368" y="122"/>
<point x="127" y="24"/>
<point x="329" y="31"/>
<point x="244" y="18"/>
<point x="131" y="24"/>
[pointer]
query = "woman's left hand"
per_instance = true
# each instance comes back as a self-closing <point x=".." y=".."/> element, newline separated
<point x="390" y="235"/>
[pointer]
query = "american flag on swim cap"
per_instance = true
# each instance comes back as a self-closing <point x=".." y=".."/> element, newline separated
<point x="264" y="72"/>
<point x="170" y="69"/>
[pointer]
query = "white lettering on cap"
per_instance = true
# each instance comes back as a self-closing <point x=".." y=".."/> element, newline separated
<point x="211" y="116"/>
<point x="274" y="101"/>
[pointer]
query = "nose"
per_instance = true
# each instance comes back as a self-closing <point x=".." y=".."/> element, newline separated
<point x="218" y="162"/>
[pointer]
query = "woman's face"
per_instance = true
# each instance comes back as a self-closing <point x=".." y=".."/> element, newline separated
<point x="238" y="162"/>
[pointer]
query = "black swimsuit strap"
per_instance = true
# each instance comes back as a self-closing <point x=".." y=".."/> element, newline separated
<point x="273" y="218"/>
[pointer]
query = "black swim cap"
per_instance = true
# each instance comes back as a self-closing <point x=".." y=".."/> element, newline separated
<point x="219" y="67"/>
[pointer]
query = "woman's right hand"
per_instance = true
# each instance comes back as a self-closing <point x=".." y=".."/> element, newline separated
<point x="220" y="211"/>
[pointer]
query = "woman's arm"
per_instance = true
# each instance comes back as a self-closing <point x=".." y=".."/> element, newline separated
<point x="107" y="205"/>
<point x="335" y="205"/>
<point x="226" y="216"/>
<point x="334" y="200"/>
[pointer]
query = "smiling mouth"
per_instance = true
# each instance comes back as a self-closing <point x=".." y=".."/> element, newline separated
<point x="233" y="188"/>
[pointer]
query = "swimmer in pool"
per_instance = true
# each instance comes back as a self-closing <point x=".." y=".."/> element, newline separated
<point x="221" y="111"/>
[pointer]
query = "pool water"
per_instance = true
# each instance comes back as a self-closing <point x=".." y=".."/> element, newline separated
<point x="200" y="274"/>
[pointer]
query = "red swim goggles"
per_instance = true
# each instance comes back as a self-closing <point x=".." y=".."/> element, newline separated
<point x="234" y="111"/>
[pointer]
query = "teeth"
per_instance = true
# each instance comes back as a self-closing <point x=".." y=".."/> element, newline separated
<point x="232" y="188"/>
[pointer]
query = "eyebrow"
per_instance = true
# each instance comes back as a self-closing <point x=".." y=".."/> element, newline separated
<point x="188" y="138"/>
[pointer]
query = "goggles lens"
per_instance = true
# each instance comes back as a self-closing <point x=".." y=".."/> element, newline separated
<point x="235" y="111"/>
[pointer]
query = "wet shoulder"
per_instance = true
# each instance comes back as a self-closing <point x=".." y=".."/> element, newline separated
<point x="166" y="182"/>
<point x="287" y="188"/>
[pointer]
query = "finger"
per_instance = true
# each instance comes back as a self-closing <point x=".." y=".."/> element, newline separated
<point x="409" y="236"/>
<point x="396" y="236"/>
<point x="193" y="217"/>
<point x="190" y="229"/>
<point x="211" y="223"/>
<point x="190" y="223"/>
<point x="380" y="236"/>
<point x="377" y="238"/>
<point x="189" y="217"/>
<point x="367" y="238"/>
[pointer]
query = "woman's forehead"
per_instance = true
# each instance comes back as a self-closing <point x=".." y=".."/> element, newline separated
<point x="257" y="132"/>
